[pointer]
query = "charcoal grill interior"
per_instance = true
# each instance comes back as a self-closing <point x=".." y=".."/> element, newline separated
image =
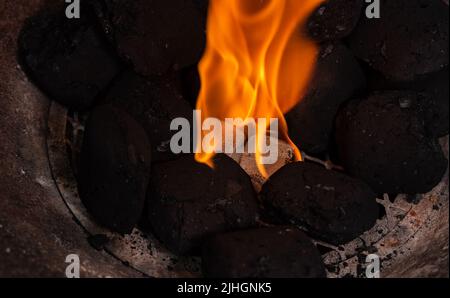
<point x="43" y="219"/>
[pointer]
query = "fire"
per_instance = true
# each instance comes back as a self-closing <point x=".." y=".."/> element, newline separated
<point x="257" y="64"/>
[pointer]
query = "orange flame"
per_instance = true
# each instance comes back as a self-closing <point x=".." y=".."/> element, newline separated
<point x="257" y="63"/>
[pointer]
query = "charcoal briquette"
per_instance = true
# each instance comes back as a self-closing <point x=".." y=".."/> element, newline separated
<point x="114" y="168"/>
<point x="334" y="19"/>
<point x="337" y="78"/>
<point x="435" y="105"/>
<point x="383" y="140"/>
<point x="68" y="59"/>
<point x="189" y="201"/>
<point x="157" y="37"/>
<point x="331" y="206"/>
<point x="409" y="40"/>
<point x="154" y="104"/>
<point x="277" y="252"/>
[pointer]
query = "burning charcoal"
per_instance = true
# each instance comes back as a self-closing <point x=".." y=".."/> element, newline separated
<point x="337" y="77"/>
<point x="278" y="252"/>
<point x="115" y="169"/>
<point x="157" y="35"/>
<point x="409" y="40"/>
<point x="189" y="201"/>
<point x="330" y="205"/>
<point x="247" y="161"/>
<point x="383" y="140"/>
<point x="154" y="104"/>
<point x="67" y="59"/>
<point x="334" y="19"/>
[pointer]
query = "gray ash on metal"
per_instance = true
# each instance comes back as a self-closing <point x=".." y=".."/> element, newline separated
<point x="114" y="168"/>
<point x="189" y="201"/>
<point x="331" y="206"/>
<point x="277" y="252"/>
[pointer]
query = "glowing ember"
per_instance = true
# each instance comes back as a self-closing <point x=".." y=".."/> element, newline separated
<point x="257" y="64"/>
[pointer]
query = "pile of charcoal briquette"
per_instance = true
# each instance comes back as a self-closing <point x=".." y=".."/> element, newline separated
<point x="377" y="106"/>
